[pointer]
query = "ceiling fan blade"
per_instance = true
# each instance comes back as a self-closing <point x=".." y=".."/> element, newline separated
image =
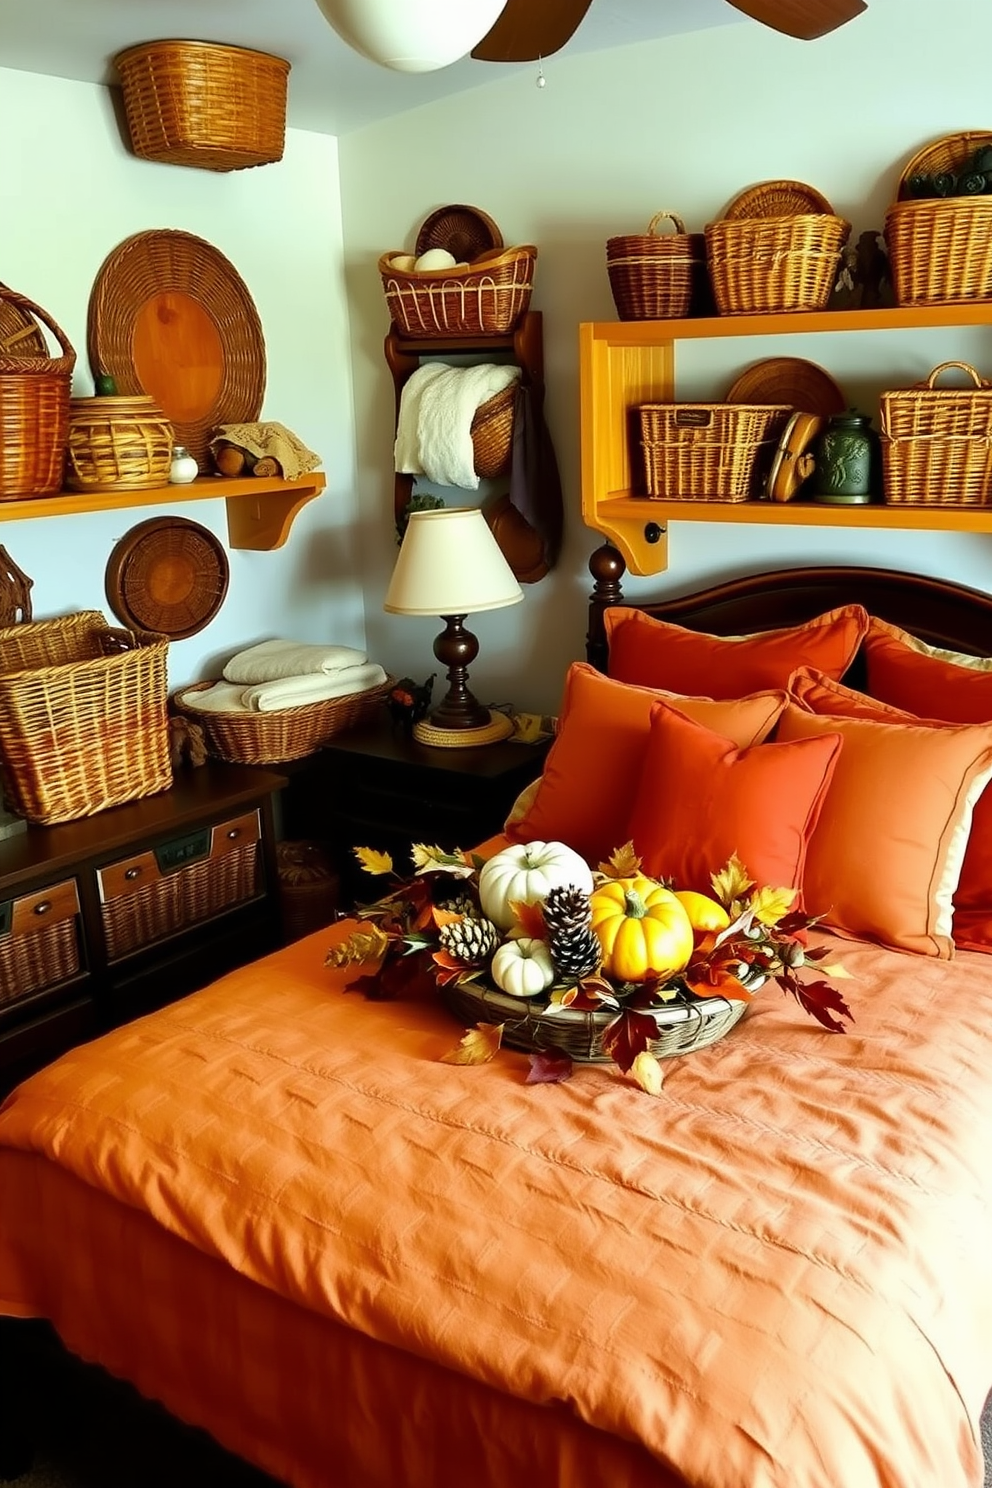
<point x="803" y="19"/>
<point x="528" y="29"/>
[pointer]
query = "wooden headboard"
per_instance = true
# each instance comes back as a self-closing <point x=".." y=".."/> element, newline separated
<point x="939" y="612"/>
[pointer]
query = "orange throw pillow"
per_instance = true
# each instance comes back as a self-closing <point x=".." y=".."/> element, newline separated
<point x="972" y="899"/>
<point x="702" y="799"/>
<point x="593" y="768"/>
<point x="884" y="860"/>
<point x="654" y="653"/>
<point x="925" y="680"/>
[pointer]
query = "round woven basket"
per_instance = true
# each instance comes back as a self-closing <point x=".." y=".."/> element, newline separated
<point x="682" y="1027"/>
<point x="117" y="444"/>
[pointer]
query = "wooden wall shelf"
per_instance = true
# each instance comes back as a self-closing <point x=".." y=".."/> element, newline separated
<point x="260" y="513"/>
<point x="624" y="363"/>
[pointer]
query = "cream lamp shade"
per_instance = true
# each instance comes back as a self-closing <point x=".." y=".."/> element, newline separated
<point x="450" y="565"/>
<point x="412" y="35"/>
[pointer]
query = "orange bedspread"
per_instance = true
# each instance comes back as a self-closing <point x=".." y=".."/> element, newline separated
<point x="777" y="1274"/>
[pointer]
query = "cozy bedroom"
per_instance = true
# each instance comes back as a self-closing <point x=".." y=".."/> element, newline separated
<point x="495" y="744"/>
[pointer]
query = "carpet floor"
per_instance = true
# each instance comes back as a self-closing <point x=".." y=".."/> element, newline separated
<point x="99" y="1433"/>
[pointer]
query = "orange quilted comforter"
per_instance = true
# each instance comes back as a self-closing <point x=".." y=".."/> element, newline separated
<point x="776" y="1274"/>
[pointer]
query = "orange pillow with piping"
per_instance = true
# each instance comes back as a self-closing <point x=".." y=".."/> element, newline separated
<point x="655" y="653"/>
<point x="923" y="679"/>
<point x="885" y="857"/>
<point x="972" y="898"/>
<point x="593" y="768"/>
<point x="702" y="799"/>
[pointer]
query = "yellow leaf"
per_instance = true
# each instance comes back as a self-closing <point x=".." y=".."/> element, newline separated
<point x="769" y="905"/>
<point x="623" y="863"/>
<point x="732" y="882"/>
<point x="478" y="1045"/>
<point x="436" y="860"/>
<point x="373" y="862"/>
<point x="648" y="1073"/>
<point x="837" y="972"/>
<point x="361" y="946"/>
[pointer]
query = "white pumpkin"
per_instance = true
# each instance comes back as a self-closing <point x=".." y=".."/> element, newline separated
<point x="523" y="967"/>
<point x="524" y="874"/>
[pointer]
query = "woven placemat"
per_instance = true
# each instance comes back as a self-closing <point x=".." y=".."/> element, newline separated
<point x="498" y="727"/>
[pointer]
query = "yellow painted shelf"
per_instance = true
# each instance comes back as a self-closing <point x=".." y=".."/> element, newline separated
<point x="624" y="363"/>
<point x="260" y="513"/>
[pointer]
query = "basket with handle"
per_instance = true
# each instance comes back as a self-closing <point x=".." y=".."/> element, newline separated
<point x="484" y="298"/>
<point x="937" y="442"/>
<point x="940" y="248"/>
<point x="655" y="275"/>
<point x="709" y="451"/>
<point x="83" y="721"/>
<point x="34" y="407"/>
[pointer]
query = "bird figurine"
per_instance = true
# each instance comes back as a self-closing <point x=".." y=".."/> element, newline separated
<point x="409" y="701"/>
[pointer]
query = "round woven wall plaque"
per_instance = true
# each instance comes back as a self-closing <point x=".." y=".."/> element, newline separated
<point x="169" y="575"/>
<point x="171" y="317"/>
<point x="778" y="199"/>
<point x="464" y="231"/>
<point x="792" y="381"/>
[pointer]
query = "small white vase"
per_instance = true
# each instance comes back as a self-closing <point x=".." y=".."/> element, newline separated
<point x="183" y="468"/>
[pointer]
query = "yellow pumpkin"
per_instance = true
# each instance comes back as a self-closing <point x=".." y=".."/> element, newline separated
<point x="643" y="930"/>
<point x="704" y="913"/>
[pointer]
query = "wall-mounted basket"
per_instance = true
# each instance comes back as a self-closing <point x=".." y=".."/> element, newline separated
<point x="484" y="298"/>
<point x="34" y="407"/>
<point x="197" y="103"/>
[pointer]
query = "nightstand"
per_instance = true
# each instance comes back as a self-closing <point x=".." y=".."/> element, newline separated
<point x="377" y="787"/>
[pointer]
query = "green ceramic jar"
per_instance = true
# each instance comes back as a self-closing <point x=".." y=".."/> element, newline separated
<point x="848" y="460"/>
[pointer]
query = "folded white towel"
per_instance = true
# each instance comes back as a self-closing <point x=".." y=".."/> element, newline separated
<point x="292" y="692"/>
<point x="270" y="660"/>
<point x="434" y="427"/>
<point x="222" y="697"/>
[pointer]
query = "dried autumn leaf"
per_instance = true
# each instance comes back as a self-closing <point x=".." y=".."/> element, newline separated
<point x="628" y="1035"/>
<point x="436" y="860"/>
<point x="820" y="1000"/>
<point x="530" y="919"/>
<point x="373" y="862"/>
<point x="732" y="882"/>
<point x="771" y="905"/>
<point x="448" y="967"/>
<point x="549" y="1067"/>
<point x="478" y="1046"/>
<point x="361" y="946"/>
<point x="444" y="916"/>
<point x="623" y="862"/>
<point x="648" y="1073"/>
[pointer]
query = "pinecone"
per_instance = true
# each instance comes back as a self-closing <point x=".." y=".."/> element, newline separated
<point x="469" y="940"/>
<point x="460" y="904"/>
<point x="574" y="948"/>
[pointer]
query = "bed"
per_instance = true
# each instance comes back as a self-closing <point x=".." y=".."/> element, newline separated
<point x="271" y="1207"/>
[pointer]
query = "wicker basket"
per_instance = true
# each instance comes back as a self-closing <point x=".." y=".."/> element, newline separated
<point x="219" y="108"/>
<point x="83" y="721"/>
<point x="176" y="900"/>
<point x="682" y="1028"/>
<point x="30" y="963"/>
<point x="492" y="433"/>
<point x="286" y="734"/>
<point x="656" y="276"/>
<point x="486" y="298"/>
<point x="309" y="888"/>
<point x="709" y="451"/>
<point x="940" y="249"/>
<point x="764" y="265"/>
<point x="937" y="442"/>
<point x="34" y="410"/>
<point x="117" y="444"/>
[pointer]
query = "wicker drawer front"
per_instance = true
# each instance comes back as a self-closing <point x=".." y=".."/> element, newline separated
<point x="39" y="941"/>
<point x="181" y="882"/>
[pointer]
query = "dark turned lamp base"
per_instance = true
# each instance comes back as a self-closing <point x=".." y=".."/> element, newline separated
<point x="459" y="720"/>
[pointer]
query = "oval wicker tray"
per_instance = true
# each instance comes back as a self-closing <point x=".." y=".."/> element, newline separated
<point x="290" y="733"/>
<point x="682" y="1028"/>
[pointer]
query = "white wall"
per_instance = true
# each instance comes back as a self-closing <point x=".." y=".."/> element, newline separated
<point x="70" y="193"/>
<point x="682" y="123"/>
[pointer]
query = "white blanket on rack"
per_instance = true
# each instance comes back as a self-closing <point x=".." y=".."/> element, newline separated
<point x="434" y="428"/>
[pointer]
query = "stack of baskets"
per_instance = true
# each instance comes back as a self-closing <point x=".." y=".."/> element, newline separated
<point x="777" y="248"/>
<point x="34" y="400"/>
<point x="937" y="442"/>
<point x="197" y="103"/>
<point x="486" y="297"/>
<point x="83" y="721"/>
<point x="709" y="451"/>
<point x="655" y="275"/>
<point x="940" y="248"/>
<point x="118" y="444"/>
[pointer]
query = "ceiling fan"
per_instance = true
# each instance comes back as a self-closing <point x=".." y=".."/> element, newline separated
<point x="526" y="31"/>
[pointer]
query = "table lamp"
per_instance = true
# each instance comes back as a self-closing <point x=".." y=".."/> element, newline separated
<point x="450" y="565"/>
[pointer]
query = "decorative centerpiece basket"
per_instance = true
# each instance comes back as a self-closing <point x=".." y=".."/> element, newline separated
<point x="484" y="298"/>
<point x="492" y="433"/>
<point x="940" y="248"/>
<point x="34" y="404"/>
<point x="248" y="738"/>
<point x="937" y="442"/>
<point x="117" y="444"/>
<point x="654" y="275"/>
<point x="709" y="451"/>
<point x="83" y="721"/>
<point x="777" y="248"/>
<point x="201" y="104"/>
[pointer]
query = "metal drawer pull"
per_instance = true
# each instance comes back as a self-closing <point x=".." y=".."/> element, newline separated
<point x="43" y="907"/>
<point x="132" y="873"/>
<point x="234" y="834"/>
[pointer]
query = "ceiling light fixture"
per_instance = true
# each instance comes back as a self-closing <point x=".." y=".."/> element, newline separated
<point x="411" y="35"/>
